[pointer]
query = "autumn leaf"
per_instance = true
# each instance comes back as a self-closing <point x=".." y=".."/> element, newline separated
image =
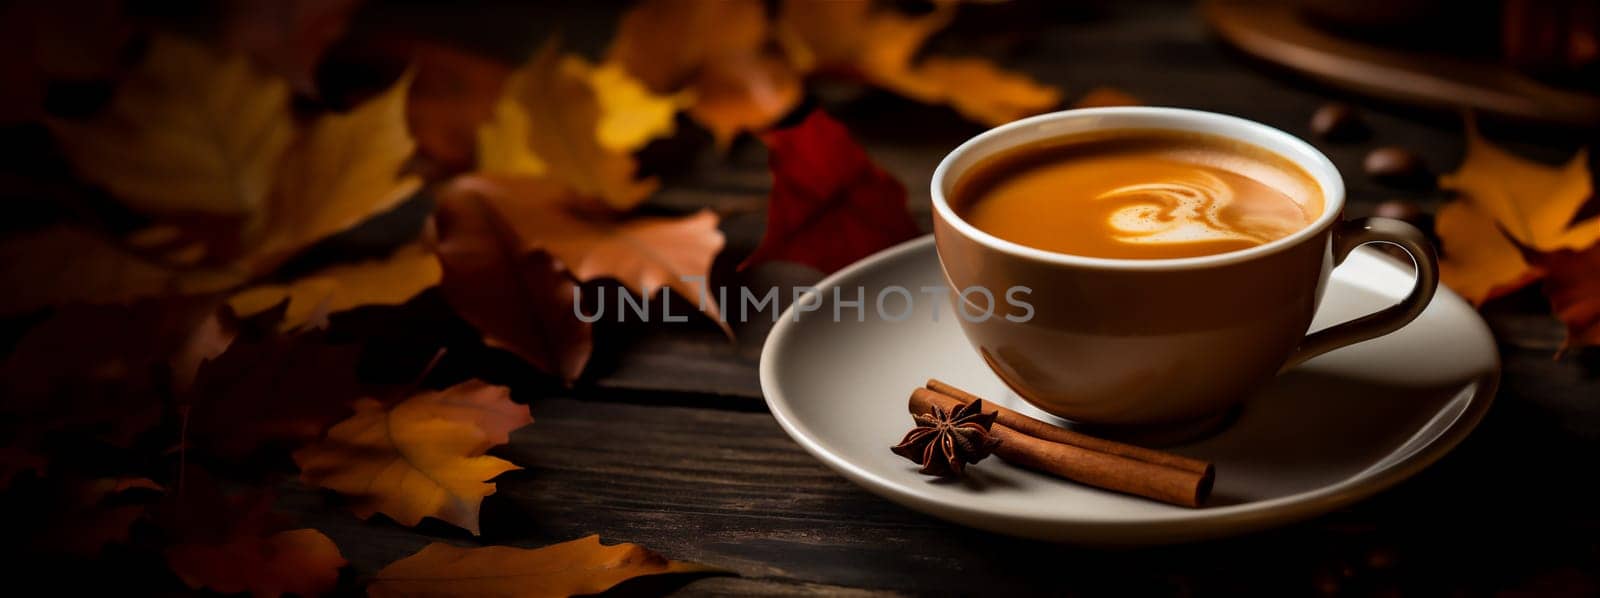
<point x="204" y="146"/>
<point x="977" y="89"/>
<point x="721" y="52"/>
<point x="878" y="44"/>
<point x="389" y="281"/>
<point x="1509" y="206"/>
<point x="454" y="93"/>
<point x="67" y="264"/>
<point x="1478" y="261"/>
<point x="104" y="368"/>
<point x="188" y="131"/>
<point x="644" y="254"/>
<point x="287" y="36"/>
<point x="1532" y="202"/>
<point x="87" y="521"/>
<point x="1104" y="97"/>
<point x="281" y="388"/>
<point x="630" y="114"/>
<point x="548" y="123"/>
<point x="344" y="169"/>
<point x="520" y="300"/>
<point x="1573" y="286"/>
<point x="831" y="205"/>
<point x="577" y="567"/>
<point x="423" y="457"/>
<point x="233" y="544"/>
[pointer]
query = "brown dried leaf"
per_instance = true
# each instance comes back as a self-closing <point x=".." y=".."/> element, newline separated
<point x="519" y="299"/>
<point x="644" y="254"/>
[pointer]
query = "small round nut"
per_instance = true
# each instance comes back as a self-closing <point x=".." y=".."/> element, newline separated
<point x="1396" y="165"/>
<point x="1338" y="121"/>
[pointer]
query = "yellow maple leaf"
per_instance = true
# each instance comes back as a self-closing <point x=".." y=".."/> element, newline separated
<point x="343" y="170"/>
<point x="389" y="281"/>
<point x="1534" y="203"/>
<point x="1479" y="262"/>
<point x="630" y="114"/>
<point x="189" y="131"/>
<point x="551" y="119"/>
<point x="423" y="457"/>
<point x="579" y="567"/>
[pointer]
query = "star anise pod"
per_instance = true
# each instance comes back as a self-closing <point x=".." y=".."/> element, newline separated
<point x="944" y="442"/>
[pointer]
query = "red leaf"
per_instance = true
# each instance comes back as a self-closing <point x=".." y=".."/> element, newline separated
<point x="830" y="205"/>
<point x="1573" y="284"/>
<point x="283" y="388"/>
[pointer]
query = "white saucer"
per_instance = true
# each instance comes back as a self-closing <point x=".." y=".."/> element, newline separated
<point x="1333" y="431"/>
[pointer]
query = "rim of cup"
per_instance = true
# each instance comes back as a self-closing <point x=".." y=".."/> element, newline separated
<point x="1293" y="148"/>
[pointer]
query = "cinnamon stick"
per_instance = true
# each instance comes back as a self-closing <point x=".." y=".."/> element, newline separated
<point x="1099" y="469"/>
<point x="1041" y="429"/>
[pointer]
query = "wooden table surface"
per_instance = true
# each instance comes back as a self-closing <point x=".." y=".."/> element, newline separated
<point x="667" y="442"/>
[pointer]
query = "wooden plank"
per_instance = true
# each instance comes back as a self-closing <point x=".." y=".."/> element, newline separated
<point x="729" y="489"/>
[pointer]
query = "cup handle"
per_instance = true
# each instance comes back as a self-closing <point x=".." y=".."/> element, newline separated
<point x="1355" y="233"/>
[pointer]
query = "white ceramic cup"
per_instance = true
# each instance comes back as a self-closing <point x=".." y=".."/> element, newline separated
<point x="1162" y="341"/>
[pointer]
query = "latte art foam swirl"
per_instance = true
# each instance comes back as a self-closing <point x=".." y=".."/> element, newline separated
<point x="1177" y="211"/>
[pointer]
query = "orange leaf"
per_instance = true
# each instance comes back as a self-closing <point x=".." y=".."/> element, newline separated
<point x="743" y="93"/>
<point x="582" y="566"/>
<point x="454" y="93"/>
<point x="976" y="88"/>
<point x="719" y="51"/>
<point x="644" y="254"/>
<point x="1103" y="96"/>
<point x="1478" y="261"/>
<point x="878" y="44"/>
<point x="301" y="561"/>
<point x="389" y="281"/>
<point x="548" y="123"/>
<point x="1532" y="202"/>
<point x="665" y="43"/>
<point x="423" y="457"/>
<point x="831" y="205"/>
<point x="1573" y="286"/>
<point x="235" y="544"/>
<point x="520" y="300"/>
